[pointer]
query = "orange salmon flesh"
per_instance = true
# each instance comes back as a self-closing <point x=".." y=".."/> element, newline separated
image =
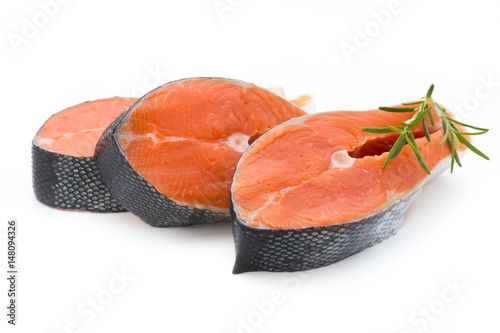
<point x="75" y="131"/>
<point x="186" y="137"/>
<point x="322" y="169"/>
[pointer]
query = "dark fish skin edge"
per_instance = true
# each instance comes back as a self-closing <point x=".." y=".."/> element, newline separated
<point x="69" y="182"/>
<point x="136" y="194"/>
<point x="290" y="250"/>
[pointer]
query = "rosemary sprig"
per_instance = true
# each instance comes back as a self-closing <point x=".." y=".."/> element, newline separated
<point x="422" y="110"/>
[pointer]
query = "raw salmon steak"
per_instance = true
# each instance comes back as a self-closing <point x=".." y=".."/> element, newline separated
<point x="312" y="191"/>
<point x="64" y="171"/>
<point x="171" y="157"/>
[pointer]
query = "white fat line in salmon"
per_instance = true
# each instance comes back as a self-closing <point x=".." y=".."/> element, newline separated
<point x="253" y="217"/>
<point x="237" y="141"/>
<point x="83" y="131"/>
<point x="44" y="142"/>
<point x="47" y="142"/>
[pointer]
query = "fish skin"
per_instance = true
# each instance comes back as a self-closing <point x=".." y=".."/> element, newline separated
<point x="300" y="249"/>
<point x="69" y="182"/>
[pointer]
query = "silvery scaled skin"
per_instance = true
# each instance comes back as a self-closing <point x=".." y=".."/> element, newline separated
<point x="290" y="250"/>
<point x="69" y="182"/>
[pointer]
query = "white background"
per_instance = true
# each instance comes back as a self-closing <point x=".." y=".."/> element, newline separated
<point x="182" y="279"/>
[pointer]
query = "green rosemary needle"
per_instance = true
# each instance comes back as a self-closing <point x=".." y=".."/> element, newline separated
<point x="422" y="110"/>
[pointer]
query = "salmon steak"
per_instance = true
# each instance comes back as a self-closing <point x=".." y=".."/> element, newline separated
<point x="312" y="191"/>
<point x="170" y="158"/>
<point x="63" y="167"/>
